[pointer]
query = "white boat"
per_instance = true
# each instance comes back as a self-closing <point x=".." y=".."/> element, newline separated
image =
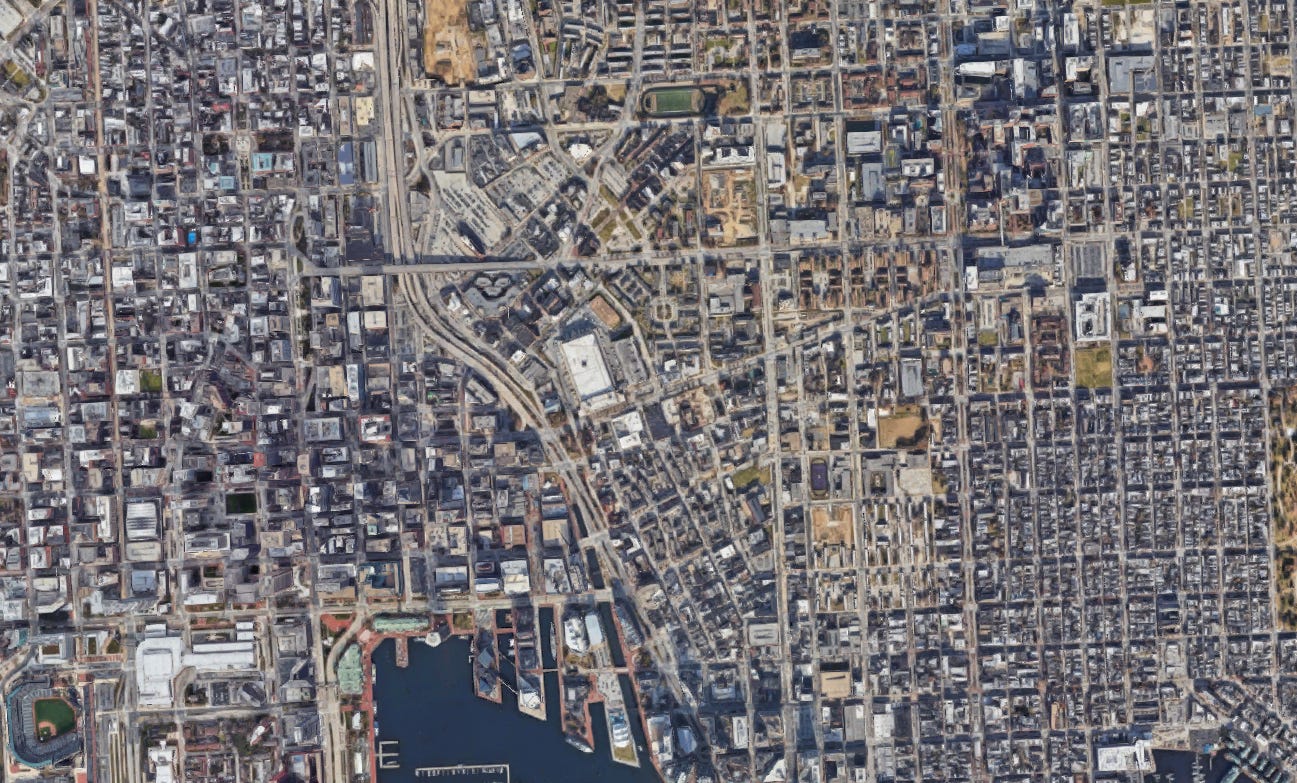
<point x="620" y="729"/>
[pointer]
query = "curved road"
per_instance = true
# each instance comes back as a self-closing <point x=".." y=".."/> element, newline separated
<point x="444" y="331"/>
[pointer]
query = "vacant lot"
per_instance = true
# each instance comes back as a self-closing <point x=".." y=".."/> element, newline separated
<point x="447" y="47"/>
<point x="734" y="98"/>
<point x="150" y="381"/>
<point x="1283" y="508"/>
<point x="730" y="199"/>
<point x="832" y="527"/>
<point x="902" y="429"/>
<point x="747" y="476"/>
<point x="1094" y="366"/>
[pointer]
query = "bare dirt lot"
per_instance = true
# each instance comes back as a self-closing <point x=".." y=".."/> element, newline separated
<point x="447" y="44"/>
<point x="1283" y="477"/>
<point x="902" y="429"/>
<point x="731" y="199"/>
<point x="832" y="526"/>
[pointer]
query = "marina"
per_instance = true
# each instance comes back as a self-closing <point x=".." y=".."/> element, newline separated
<point x="1183" y="766"/>
<point x="446" y="732"/>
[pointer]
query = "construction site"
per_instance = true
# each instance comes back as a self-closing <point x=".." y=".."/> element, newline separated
<point x="729" y="197"/>
<point x="448" y="42"/>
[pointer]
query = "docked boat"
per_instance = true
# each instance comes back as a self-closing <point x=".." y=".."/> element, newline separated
<point x="620" y="727"/>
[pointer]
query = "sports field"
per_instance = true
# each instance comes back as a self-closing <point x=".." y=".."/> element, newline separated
<point x="672" y="101"/>
<point x="53" y="717"/>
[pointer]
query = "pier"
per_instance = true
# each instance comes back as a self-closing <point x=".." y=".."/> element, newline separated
<point x="477" y="773"/>
<point x="389" y="754"/>
<point x="402" y="651"/>
<point x="536" y="680"/>
<point x="480" y="735"/>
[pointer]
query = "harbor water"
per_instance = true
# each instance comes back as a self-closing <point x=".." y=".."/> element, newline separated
<point x="429" y="709"/>
<point x="1183" y="766"/>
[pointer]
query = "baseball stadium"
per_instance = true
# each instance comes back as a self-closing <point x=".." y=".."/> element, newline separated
<point x="42" y="724"/>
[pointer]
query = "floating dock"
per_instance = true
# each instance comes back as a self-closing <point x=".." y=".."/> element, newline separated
<point x="494" y="772"/>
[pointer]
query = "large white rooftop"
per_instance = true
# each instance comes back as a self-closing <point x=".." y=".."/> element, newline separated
<point x="587" y="367"/>
<point x="158" y="660"/>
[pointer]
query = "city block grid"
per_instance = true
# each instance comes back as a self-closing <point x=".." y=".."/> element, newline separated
<point x="913" y="380"/>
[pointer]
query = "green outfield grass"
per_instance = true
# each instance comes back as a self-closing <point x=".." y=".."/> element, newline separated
<point x="54" y="717"/>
